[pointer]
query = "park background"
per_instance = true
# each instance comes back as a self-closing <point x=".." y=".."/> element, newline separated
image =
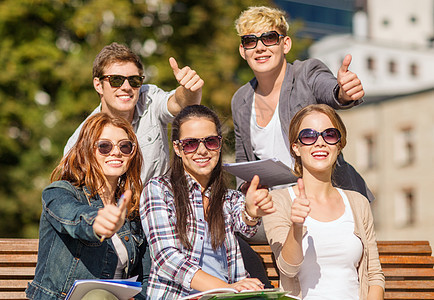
<point x="47" y="48"/>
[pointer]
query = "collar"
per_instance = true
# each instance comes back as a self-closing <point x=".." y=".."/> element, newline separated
<point x="194" y="185"/>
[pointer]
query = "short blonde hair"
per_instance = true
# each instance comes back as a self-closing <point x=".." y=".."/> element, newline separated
<point x="260" y="18"/>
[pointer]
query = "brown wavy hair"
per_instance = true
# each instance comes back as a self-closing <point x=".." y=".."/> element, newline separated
<point x="80" y="167"/>
<point x="214" y="213"/>
<point x="294" y="129"/>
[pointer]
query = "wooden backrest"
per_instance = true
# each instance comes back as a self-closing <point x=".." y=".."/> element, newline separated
<point x="17" y="266"/>
<point x="407" y="266"/>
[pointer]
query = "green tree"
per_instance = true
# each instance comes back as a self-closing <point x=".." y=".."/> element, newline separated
<point x="47" y="49"/>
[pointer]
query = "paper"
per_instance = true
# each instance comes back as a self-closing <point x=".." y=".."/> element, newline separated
<point x="228" y="293"/>
<point x="271" y="171"/>
<point x="122" y="289"/>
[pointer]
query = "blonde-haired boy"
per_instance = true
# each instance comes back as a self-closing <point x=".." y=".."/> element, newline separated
<point x="262" y="109"/>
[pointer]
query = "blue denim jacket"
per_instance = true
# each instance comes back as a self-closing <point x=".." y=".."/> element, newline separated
<point x="70" y="250"/>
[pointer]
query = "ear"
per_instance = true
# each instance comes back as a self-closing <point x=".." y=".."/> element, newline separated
<point x="295" y="148"/>
<point x="242" y="51"/>
<point x="176" y="149"/>
<point x="97" y="84"/>
<point x="287" y="44"/>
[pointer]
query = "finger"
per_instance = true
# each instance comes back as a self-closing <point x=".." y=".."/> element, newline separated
<point x="302" y="192"/>
<point x="253" y="184"/>
<point x="345" y="64"/>
<point x="174" y="65"/>
<point x="123" y="204"/>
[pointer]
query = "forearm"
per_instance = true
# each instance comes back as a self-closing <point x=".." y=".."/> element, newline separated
<point x="376" y="292"/>
<point x="292" y="251"/>
<point x="202" y="281"/>
<point x="182" y="98"/>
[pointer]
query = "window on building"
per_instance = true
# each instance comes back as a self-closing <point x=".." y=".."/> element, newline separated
<point x="366" y="152"/>
<point x="370" y="62"/>
<point x="414" y="70"/>
<point x="404" y="147"/>
<point x="405" y="208"/>
<point x="392" y="67"/>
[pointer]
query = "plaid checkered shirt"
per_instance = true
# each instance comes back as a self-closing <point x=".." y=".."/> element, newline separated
<point x="173" y="265"/>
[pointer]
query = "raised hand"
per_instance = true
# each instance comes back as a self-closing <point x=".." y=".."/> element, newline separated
<point x="300" y="207"/>
<point x="111" y="218"/>
<point x="350" y="86"/>
<point x="258" y="200"/>
<point x="186" y="77"/>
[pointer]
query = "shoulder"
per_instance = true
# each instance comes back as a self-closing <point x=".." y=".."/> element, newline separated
<point x="281" y="195"/>
<point x="62" y="184"/>
<point x="245" y="90"/>
<point x="309" y="64"/>
<point x="356" y="199"/>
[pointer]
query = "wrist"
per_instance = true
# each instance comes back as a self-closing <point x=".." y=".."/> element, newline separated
<point x="249" y="217"/>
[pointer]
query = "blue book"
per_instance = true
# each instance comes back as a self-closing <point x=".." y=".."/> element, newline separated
<point x="122" y="289"/>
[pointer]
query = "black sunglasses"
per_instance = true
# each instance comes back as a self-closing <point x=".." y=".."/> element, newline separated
<point x="331" y="136"/>
<point x="270" y="38"/>
<point x="191" y="145"/>
<point x="118" y="80"/>
<point x="105" y="147"/>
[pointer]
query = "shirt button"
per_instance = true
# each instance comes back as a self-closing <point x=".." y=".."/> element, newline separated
<point x="201" y="238"/>
<point x="126" y="238"/>
<point x="149" y="138"/>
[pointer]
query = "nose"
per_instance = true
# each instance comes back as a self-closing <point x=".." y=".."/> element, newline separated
<point x="260" y="46"/>
<point x="320" y="141"/>
<point x="116" y="151"/>
<point x="126" y="85"/>
<point x="202" y="149"/>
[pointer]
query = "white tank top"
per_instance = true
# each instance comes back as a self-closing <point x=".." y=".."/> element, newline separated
<point x="332" y="253"/>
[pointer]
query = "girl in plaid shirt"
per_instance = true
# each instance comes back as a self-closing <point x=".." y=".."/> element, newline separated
<point x="189" y="216"/>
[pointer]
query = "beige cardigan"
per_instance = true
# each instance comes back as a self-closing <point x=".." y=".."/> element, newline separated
<point x="277" y="226"/>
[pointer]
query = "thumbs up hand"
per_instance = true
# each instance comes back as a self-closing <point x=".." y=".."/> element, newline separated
<point x="186" y="77"/>
<point x="300" y="206"/>
<point x="350" y="86"/>
<point x="258" y="201"/>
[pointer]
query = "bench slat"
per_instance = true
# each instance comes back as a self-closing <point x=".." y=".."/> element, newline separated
<point x="18" y="259"/>
<point x="409" y="285"/>
<point x="409" y="261"/>
<point x="11" y="285"/>
<point x="407" y="273"/>
<point x="13" y="295"/>
<point x="408" y="295"/>
<point x="21" y="272"/>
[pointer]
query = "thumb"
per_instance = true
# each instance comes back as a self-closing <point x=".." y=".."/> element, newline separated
<point x="345" y="63"/>
<point x="302" y="192"/>
<point x="125" y="200"/>
<point x="253" y="184"/>
<point x="174" y="65"/>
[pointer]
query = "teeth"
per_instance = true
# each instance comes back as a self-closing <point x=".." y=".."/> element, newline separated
<point x="319" y="153"/>
<point x="262" y="58"/>
<point x="201" y="160"/>
<point x="124" y="97"/>
<point x="114" y="162"/>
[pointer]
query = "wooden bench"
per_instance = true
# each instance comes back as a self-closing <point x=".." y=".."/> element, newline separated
<point x="407" y="265"/>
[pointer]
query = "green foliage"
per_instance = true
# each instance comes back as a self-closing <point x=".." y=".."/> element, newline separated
<point x="47" y="49"/>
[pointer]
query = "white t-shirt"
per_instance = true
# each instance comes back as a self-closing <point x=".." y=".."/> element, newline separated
<point x="331" y="256"/>
<point x="270" y="141"/>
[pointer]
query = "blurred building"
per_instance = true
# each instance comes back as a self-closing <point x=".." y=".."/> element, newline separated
<point x="391" y="135"/>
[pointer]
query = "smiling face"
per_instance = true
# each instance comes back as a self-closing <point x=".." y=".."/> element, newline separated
<point x="118" y="101"/>
<point x="319" y="157"/>
<point x="264" y="59"/>
<point x="115" y="163"/>
<point x="200" y="163"/>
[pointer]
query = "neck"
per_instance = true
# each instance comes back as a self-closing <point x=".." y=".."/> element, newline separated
<point x="127" y="115"/>
<point x="318" y="186"/>
<point x="108" y="192"/>
<point x="270" y="81"/>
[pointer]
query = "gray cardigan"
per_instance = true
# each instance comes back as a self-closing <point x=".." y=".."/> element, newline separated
<point x="306" y="82"/>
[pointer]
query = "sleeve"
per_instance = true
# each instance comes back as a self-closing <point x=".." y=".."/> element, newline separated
<point x="324" y="84"/>
<point x="240" y="154"/>
<point x="375" y="274"/>
<point x="236" y="202"/>
<point x="158" y="221"/>
<point x="277" y="226"/>
<point x="67" y="214"/>
<point x="156" y="98"/>
<point x="74" y="137"/>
